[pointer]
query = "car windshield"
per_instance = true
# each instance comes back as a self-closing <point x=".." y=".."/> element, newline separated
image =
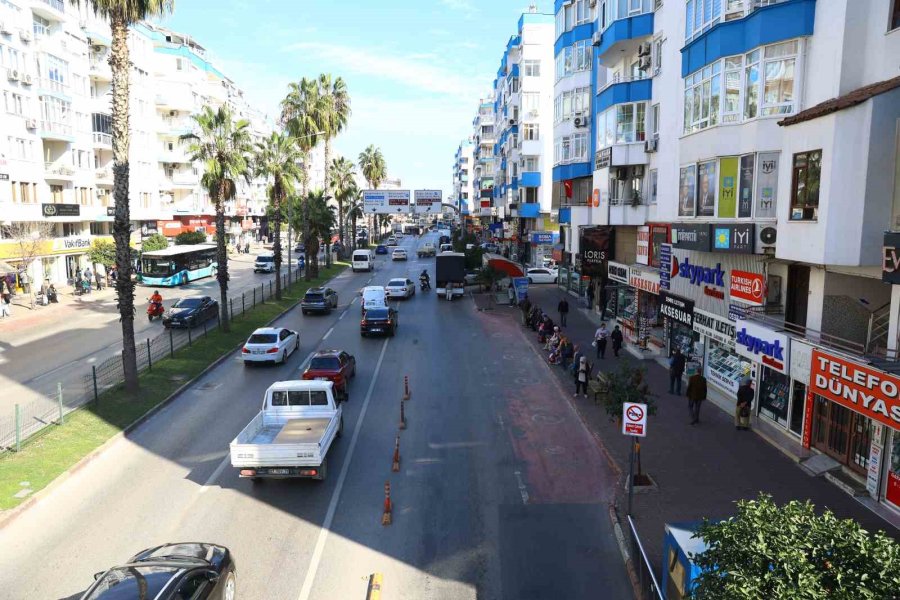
<point x="324" y="363"/>
<point x="127" y="583"/>
<point x="262" y="338"/>
<point x="377" y="313"/>
<point x="188" y="303"/>
<point x="397" y="283"/>
<point x="265" y="259"/>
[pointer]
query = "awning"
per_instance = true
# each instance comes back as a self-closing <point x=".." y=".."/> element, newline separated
<point x="504" y="265"/>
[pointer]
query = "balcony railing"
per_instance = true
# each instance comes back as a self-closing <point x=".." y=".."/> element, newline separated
<point x="738" y="9"/>
<point x="102" y="139"/>
<point x="56" y="169"/>
<point x="618" y="78"/>
<point x="54" y="127"/>
<point x="58" y="5"/>
<point x="104" y="174"/>
<point x="51" y="85"/>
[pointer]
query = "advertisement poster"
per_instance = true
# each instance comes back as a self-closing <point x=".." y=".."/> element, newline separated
<point x="665" y="265"/>
<point x="521" y="286"/>
<point x="643" y="245"/>
<point x="659" y="235"/>
<point x="745" y="204"/>
<point x="728" y="170"/>
<point x="596" y="246"/>
<point x="687" y="191"/>
<point x="766" y="184"/>
<point x="706" y="193"/>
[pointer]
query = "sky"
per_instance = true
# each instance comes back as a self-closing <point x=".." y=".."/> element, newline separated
<point x="415" y="69"/>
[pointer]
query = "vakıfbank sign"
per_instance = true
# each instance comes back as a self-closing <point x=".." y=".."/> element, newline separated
<point x="76" y="244"/>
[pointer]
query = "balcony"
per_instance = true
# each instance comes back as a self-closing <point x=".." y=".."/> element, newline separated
<point x="58" y="172"/>
<point x="104" y="177"/>
<point x="53" y="10"/>
<point x="623" y="35"/>
<point x="102" y="140"/>
<point x="99" y="68"/>
<point x="45" y="84"/>
<point x="185" y="180"/>
<point x="174" y="127"/>
<point x="622" y="155"/>
<point x="176" y="156"/>
<point x="53" y="130"/>
<point x="624" y="89"/>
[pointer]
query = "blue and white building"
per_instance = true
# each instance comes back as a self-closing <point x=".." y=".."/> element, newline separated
<point x="483" y="138"/>
<point x="463" y="194"/>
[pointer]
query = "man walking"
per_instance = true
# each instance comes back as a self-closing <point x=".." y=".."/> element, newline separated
<point x="600" y="337"/>
<point x="99" y="279"/>
<point x="744" y="403"/>
<point x="616" y="337"/>
<point x="563" y="309"/>
<point x="676" y="370"/>
<point x="696" y="394"/>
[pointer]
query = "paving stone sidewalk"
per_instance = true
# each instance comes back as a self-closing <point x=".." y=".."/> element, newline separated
<point x="700" y="470"/>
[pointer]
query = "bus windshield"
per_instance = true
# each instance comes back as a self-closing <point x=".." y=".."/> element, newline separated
<point x="159" y="267"/>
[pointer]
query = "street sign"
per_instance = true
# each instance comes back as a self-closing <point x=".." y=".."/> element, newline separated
<point x="634" y="419"/>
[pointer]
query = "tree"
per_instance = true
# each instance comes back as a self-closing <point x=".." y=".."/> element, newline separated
<point x="489" y="276"/>
<point x="320" y="219"/>
<point x="354" y="212"/>
<point x="223" y="146"/>
<point x="278" y="159"/>
<point x="157" y="241"/>
<point x="122" y="14"/>
<point x="374" y="169"/>
<point x="791" y="553"/>
<point x="30" y="239"/>
<point x="343" y="182"/>
<point x="102" y="252"/>
<point x="190" y="238"/>
<point x="334" y="113"/>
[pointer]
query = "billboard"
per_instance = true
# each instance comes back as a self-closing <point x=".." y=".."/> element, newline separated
<point x="597" y="244"/>
<point x="397" y="202"/>
<point x="427" y="201"/>
<point x="383" y="202"/>
<point x="374" y="201"/>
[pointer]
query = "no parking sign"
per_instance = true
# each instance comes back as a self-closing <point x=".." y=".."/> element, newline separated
<point x="634" y="419"/>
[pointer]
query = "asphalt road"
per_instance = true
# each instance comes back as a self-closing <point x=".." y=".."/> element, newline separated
<point x="502" y="492"/>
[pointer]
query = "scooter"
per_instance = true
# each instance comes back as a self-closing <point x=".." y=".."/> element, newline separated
<point x="155" y="309"/>
<point x="424" y="284"/>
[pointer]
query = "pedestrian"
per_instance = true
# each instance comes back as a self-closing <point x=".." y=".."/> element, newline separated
<point x="5" y="303"/>
<point x="45" y="292"/>
<point x="563" y="309"/>
<point x="590" y="297"/>
<point x="247" y="248"/>
<point x="114" y="275"/>
<point x="616" y="337"/>
<point x="77" y="279"/>
<point x="99" y="279"/>
<point x="696" y="394"/>
<point x="576" y="357"/>
<point x="88" y="274"/>
<point x="744" y="403"/>
<point x="25" y="281"/>
<point x="676" y="370"/>
<point x="600" y="337"/>
<point x="582" y="375"/>
<point x="566" y="352"/>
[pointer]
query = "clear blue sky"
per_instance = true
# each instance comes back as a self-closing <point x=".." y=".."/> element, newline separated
<point x="414" y="68"/>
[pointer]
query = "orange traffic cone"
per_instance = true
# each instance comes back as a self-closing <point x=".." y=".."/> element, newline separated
<point x="402" y="416"/>
<point x="395" y="467"/>
<point x="386" y="517"/>
<point x="406" y="387"/>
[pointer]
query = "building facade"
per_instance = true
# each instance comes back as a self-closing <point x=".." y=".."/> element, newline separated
<point x="463" y="177"/>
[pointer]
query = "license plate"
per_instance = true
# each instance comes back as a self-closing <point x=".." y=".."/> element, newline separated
<point x="322" y="379"/>
<point x="280" y="471"/>
<point x="377" y="330"/>
<point x="258" y="352"/>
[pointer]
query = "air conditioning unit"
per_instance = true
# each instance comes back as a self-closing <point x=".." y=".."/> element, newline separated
<point x="27" y="79"/>
<point x="644" y="63"/>
<point x="644" y="49"/>
<point x="766" y="235"/>
<point x="172" y="113"/>
<point x="512" y="121"/>
<point x="581" y="121"/>
<point x="25" y="36"/>
<point x="12" y="74"/>
<point x="31" y="124"/>
<point x="651" y="145"/>
<point x="595" y="39"/>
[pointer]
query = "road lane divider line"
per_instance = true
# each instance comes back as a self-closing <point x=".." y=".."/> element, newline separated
<point x="327" y="333"/>
<point x="316" y="559"/>
<point x="215" y="474"/>
<point x="523" y="491"/>
<point x="308" y="357"/>
<point x="344" y="314"/>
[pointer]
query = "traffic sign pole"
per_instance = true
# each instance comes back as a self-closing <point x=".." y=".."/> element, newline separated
<point x="631" y="476"/>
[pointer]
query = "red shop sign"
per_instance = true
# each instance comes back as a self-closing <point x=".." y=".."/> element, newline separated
<point x="867" y="391"/>
<point x="748" y="287"/>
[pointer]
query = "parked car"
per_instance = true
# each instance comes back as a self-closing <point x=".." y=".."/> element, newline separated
<point x="265" y="263"/>
<point x="542" y="275"/>
<point x="471" y="277"/>
<point x="400" y="288"/>
<point x="399" y="254"/>
<point x="381" y="249"/>
<point x="190" y="312"/>
<point x="319" y="299"/>
<point x="379" y="320"/>
<point x="270" y="344"/>
<point x="170" y="572"/>
<point x="335" y="366"/>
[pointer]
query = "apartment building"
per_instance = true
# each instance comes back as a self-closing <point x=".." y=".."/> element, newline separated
<point x="463" y="194"/>
<point x="483" y="140"/>
<point x="56" y="143"/>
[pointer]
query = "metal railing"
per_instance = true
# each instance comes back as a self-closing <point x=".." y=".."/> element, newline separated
<point x="55" y="4"/>
<point x="648" y="587"/>
<point x="33" y="417"/>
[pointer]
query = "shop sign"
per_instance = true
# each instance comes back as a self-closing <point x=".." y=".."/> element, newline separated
<point x="665" y="265"/>
<point x="873" y="470"/>
<point x="715" y="327"/>
<point x="738" y="239"/>
<point x="646" y="280"/>
<point x="762" y="345"/>
<point x="72" y="243"/>
<point x="801" y="361"/>
<point x="890" y="264"/>
<point x="617" y="272"/>
<point x="863" y="389"/>
<point x="603" y="158"/>
<point x="659" y="235"/>
<point x="736" y="312"/>
<point x="698" y="275"/>
<point x="543" y="238"/>
<point x="596" y="246"/>
<point x="691" y="236"/>
<point x="60" y="210"/>
<point x="748" y="287"/>
<point x="680" y="310"/>
<point x="643" y="245"/>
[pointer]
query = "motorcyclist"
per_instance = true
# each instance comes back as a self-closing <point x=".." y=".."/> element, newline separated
<point x="424" y="279"/>
<point x="156" y="300"/>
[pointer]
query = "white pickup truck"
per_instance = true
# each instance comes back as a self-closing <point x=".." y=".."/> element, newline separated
<point x="291" y="435"/>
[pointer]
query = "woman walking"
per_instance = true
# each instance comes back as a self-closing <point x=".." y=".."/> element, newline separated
<point x="616" y="337"/>
<point x="744" y="403"/>
<point x="582" y="375"/>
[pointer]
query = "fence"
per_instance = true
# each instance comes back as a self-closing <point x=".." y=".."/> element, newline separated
<point x="32" y="417"/>
<point x="648" y="586"/>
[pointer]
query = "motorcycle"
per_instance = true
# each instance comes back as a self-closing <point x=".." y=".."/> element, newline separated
<point x="155" y="309"/>
<point x="424" y="284"/>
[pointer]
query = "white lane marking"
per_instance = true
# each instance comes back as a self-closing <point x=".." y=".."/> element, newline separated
<point x="343" y="314"/>
<point x="523" y="491"/>
<point x="307" y="359"/>
<point x="215" y="474"/>
<point x="327" y="333"/>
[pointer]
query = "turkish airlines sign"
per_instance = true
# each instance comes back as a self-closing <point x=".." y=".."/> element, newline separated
<point x="862" y="389"/>
<point x="747" y="287"/>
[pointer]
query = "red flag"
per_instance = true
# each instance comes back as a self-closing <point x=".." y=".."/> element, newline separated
<point x="568" y="186"/>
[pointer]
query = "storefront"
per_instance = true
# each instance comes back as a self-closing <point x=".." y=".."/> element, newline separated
<point x="853" y="415"/>
<point x="679" y="318"/>
<point x="722" y="365"/>
<point x="770" y="350"/>
<point x="55" y="259"/>
<point x="645" y="327"/>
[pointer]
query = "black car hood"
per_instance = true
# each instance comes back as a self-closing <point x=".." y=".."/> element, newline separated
<point x="181" y="312"/>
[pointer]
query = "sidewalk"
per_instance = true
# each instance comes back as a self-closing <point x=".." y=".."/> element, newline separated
<point x="700" y="470"/>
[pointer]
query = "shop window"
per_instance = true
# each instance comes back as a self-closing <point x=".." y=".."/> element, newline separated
<point x="773" y="395"/>
<point x="807" y="172"/>
<point x="724" y="367"/>
<point x="98" y="228"/>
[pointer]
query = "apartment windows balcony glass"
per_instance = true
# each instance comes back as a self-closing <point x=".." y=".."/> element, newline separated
<point x="56" y="115"/>
<point x="20" y="149"/>
<point x="702" y="95"/>
<point x="54" y="73"/>
<point x="807" y="173"/>
<point x="531" y="68"/>
<point x="571" y="148"/>
<point x="572" y="102"/>
<point x="531" y="101"/>
<point x="15" y="105"/>
<point x="700" y="15"/>
<point x="531" y="131"/>
<point x="574" y="59"/>
<point x="40" y="26"/>
<point x="622" y="124"/>
<point x="572" y="15"/>
<point x="530" y="164"/>
<point x="778" y="79"/>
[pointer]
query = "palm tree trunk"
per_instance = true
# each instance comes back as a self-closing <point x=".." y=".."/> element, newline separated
<point x="327" y="195"/>
<point x="120" y="65"/>
<point x="222" y="257"/>
<point x="304" y="190"/>
<point x="341" y="225"/>
<point x="276" y="248"/>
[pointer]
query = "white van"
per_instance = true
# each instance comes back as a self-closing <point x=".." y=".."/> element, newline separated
<point x="363" y="260"/>
<point x="373" y="296"/>
<point x="265" y="263"/>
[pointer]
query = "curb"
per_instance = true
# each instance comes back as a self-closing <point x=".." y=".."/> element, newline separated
<point x="623" y="548"/>
<point x="7" y="517"/>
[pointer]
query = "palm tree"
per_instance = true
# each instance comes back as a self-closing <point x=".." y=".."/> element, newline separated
<point x="373" y="168"/>
<point x="315" y="212"/>
<point x="343" y="183"/>
<point x="354" y="212"/>
<point x="223" y="146"/>
<point x="278" y="159"/>
<point x="122" y="14"/>
<point x="333" y="117"/>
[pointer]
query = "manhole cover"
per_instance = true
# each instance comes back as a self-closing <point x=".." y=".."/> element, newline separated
<point x="546" y="419"/>
<point x="178" y="377"/>
<point x="554" y="450"/>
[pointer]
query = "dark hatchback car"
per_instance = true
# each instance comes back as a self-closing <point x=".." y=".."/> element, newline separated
<point x="381" y="249"/>
<point x="170" y="572"/>
<point x="320" y="299"/>
<point x="190" y="312"/>
<point x="379" y="321"/>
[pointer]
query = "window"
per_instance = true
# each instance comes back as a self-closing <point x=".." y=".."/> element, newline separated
<point x="778" y="81"/>
<point x="653" y="181"/>
<point x="895" y="15"/>
<point x="24" y="192"/>
<point x="702" y="93"/>
<point x="14" y="103"/>
<point x="582" y="51"/>
<point x="531" y="101"/>
<point x="531" y="131"/>
<point x="751" y="85"/>
<point x="530" y="164"/>
<point x="55" y="72"/>
<point x="654" y="121"/>
<point x="41" y="26"/>
<point x="56" y="194"/>
<point x="531" y="68"/>
<point x="580" y="147"/>
<point x="583" y="12"/>
<point x="807" y="171"/>
<point x="700" y="16"/>
<point x="20" y="149"/>
<point x="622" y="124"/>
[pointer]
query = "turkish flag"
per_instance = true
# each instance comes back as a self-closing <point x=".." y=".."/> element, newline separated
<point x="568" y="186"/>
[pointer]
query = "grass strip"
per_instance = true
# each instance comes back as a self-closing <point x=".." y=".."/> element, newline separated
<point x="47" y="455"/>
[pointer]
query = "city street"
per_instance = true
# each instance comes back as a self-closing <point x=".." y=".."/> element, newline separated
<point x="502" y="492"/>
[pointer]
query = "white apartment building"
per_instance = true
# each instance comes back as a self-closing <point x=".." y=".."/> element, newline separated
<point x="483" y="140"/>
<point x="55" y="133"/>
<point x="463" y="177"/>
